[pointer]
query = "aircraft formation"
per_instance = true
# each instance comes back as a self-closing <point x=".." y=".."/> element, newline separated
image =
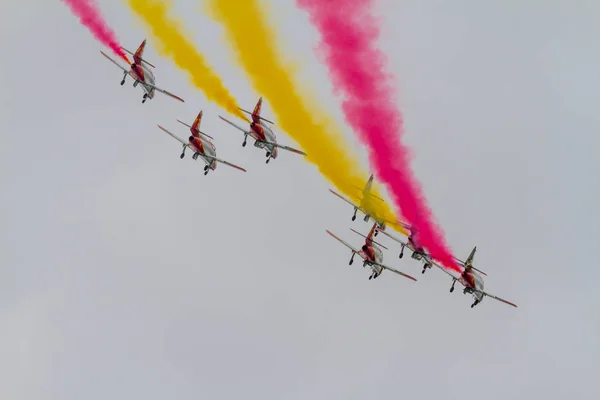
<point x="260" y="130"/>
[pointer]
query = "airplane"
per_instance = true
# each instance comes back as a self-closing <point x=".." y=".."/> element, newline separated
<point x="141" y="74"/>
<point x="262" y="134"/>
<point x="472" y="281"/>
<point x="201" y="146"/>
<point x="418" y="252"/>
<point x="470" y="278"/>
<point x="371" y="254"/>
<point x="366" y="194"/>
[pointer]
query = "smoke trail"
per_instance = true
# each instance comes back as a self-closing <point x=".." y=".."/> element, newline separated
<point x="171" y="42"/>
<point x="251" y="38"/>
<point x="90" y="16"/>
<point x="348" y="41"/>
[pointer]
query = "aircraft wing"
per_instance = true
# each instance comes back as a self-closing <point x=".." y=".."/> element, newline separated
<point x="184" y="142"/>
<point x="285" y="147"/>
<point x="458" y="260"/>
<point x="394" y="238"/>
<point x="235" y="125"/>
<point x="448" y="272"/>
<point x="355" y="251"/>
<point x="394" y="270"/>
<point x="116" y="63"/>
<point x="224" y="162"/>
<point x="369" y="193"/>
<point x="163" y="91"/>
<point x="348" y="201"/>
<point x="495" y="297"/>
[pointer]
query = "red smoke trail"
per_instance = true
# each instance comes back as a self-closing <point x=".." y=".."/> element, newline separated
<point x="348" y="41"/>
<point x="90" y="16"/>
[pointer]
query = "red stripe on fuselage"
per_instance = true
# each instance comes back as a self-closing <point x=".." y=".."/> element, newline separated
<point x="369" y="252"/>
<point x="138" y="72"/>
<point x="469" y="278"/>
<point x="258" y="130"/>
<point x="196" y="144"/>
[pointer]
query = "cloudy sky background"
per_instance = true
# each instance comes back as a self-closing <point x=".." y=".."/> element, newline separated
<point x="125" y="273"/>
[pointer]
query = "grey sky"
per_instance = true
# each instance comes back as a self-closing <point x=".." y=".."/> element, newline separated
<point x="125" y="273"/>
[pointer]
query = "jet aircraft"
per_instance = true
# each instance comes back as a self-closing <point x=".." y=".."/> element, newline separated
<point x="472" y="281"/>
<point x="371" y="254"/>
<point x="470" y="278"/>
<point x="363" y="206"/>
<point x="263" y="135"/>
<point x="141" y="74"/>
<point x="202" y="147"/>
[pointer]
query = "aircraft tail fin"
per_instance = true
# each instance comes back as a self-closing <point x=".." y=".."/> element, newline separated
<point x="468" y="264"/>
<point x="195" y="129"/>
<point x="138" y="56"/>
<point x="368" y="185"/>
<point x="255" y="114"/>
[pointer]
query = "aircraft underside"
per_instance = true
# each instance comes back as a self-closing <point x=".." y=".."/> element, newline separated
<point x="262" y="145"/>
<point x="209" y="163"/>
<point x="468" y="290"/>
<point x="135" y="83"/>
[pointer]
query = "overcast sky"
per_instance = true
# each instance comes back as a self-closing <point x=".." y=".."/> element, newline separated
<point x="127" y="274"/>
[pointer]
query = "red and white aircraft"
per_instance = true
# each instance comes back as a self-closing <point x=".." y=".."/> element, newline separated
<point x="470" y="278"/>
<point x="201" y="146"/>
<point x="141" y="74"/>
<point x="371" y="254"/>
<point x="262" y="134"/>
<point x="365" y="200"/>
<point x="418" y="252"/>
<point x="413" y="243"/>
<point x="472" y="281"/>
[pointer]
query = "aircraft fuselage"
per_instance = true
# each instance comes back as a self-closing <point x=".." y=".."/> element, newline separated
<point x="261" y="133"/>
<point x="202" y="147"/>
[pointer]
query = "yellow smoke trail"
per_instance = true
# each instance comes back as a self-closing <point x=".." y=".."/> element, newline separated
<point x="170" y="41"/>
<point x="251" y="38"/>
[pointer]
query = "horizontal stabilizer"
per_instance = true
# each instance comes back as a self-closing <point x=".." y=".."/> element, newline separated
<point x="144" y="61"/>
<point x="378" y="244"/>
<point x="264" y="119"/>
<point x="368" y="193"/>
<point x="464" y="265"/>
<point x="202" y="133"/>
